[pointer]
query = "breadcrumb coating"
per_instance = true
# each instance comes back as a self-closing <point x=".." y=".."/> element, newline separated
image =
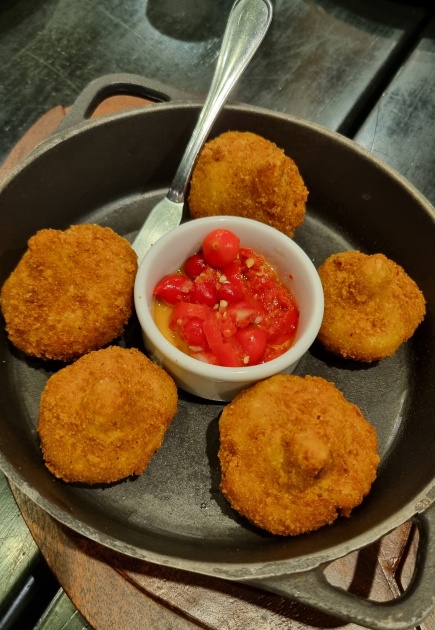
<point x="103" y="417"/>
<point x="243" y="174"/>
<point x="371" y="306"/>
<point x="71" y="292"/>
<point x="295" y="454"/>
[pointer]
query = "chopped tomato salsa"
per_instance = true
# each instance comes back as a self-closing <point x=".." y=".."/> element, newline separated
<point x="226" y="306"/>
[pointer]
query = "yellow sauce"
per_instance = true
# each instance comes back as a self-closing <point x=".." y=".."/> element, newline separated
<point x="162" y="316"/>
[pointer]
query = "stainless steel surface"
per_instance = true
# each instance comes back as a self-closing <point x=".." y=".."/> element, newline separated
<point x="165" y="216"/>
<point x="247" y="25"/>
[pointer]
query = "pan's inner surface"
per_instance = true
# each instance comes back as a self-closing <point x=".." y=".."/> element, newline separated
<point x="174" y="512"/>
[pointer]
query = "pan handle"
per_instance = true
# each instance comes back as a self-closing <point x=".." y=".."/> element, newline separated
<point x="406" y="611"/>
<point x="114" y="84"/>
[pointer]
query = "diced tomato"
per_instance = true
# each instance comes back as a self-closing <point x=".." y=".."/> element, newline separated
<point x="186" y="310"/>
<point x="283" y="325"/>
<point x="242" y="313"/>
<point x="193" y="333"/>
<point x="204" y="288"/>
<point x="230" y="291"/>
<point x="232" y="270"/>
<point x="250" y="260"/>
<point x="230" y="287"/>
<point x="283" y="339"/>
<point x="235" y="313"/>
<point x="212" y="332"/>
<point x="173" y="288"/>
<point x="223" y="350"/>
<point x="194" y="266"/>
<point x="204" y="292"/>
<point x="205" y="357"/>
<point x="262" y="284"/>
<point x="227" y="327"/>
<point x="253" y="342"/>
<point x="283" y="299"/>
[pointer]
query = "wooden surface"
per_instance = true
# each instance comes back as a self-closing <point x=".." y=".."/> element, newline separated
<point x="114" y="591"/>
<point x="399" y="130"/>
<point x="322" y="60"/>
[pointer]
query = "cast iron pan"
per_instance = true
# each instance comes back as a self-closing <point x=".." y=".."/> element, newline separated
<point x="112" y="171"/>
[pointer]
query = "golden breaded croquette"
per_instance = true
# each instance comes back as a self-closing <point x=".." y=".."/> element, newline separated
<point x="103" y="417"/>
<point x="71" y="292"/>
<point x="371" y="306"/>
<point x="243" y="174"/>
<point x="295" y="454"/>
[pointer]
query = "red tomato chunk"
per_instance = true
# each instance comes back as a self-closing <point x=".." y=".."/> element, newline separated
<point x="229" y="306"/>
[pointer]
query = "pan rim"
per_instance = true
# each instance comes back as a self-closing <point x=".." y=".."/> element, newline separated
<point x="59" y="137"/>
<point x="229" y="570"/>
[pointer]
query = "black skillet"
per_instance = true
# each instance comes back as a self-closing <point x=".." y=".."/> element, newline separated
<point x="112" y="171"/>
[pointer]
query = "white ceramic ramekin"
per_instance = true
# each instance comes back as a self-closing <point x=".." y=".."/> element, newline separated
<point x="294" y="268"/>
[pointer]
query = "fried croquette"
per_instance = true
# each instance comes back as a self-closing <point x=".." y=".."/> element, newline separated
<point x="243" y="174"/>
<point x="295" y="454"/>
<point x="371" y="306"/>
<point x="103" y="417"/>
<point x="71" y="292"/>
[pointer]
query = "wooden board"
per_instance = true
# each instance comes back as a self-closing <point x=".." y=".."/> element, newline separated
<point x="115" y="591"/>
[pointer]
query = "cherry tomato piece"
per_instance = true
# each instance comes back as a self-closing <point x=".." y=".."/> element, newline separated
<point x="222" y="350"/>
<point x="250" y="260"/>
<point x="231" y="291"/>
<point x="186" y="310"/>
<point x="232" y="270"/>
<point x="229" y="306"/>
<point x="242" y="313"/>
<point x="220" y="247"/>
<point x="227" y="327"/>
<point x="204" y="292"/>
<point x="193" y="333"/>
<point x="231" y="288"/>
<point x="253" y="342"/>
<point x="205" y="357"/>
<point x="173" y="288"/>
<point x="283" y="324"/>
<point x="194" y="266"/>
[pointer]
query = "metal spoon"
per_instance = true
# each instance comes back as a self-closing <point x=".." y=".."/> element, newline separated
<point x="246" y="27"/>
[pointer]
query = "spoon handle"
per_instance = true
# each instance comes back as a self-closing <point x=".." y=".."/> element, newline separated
<point x="246" y="27"/>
